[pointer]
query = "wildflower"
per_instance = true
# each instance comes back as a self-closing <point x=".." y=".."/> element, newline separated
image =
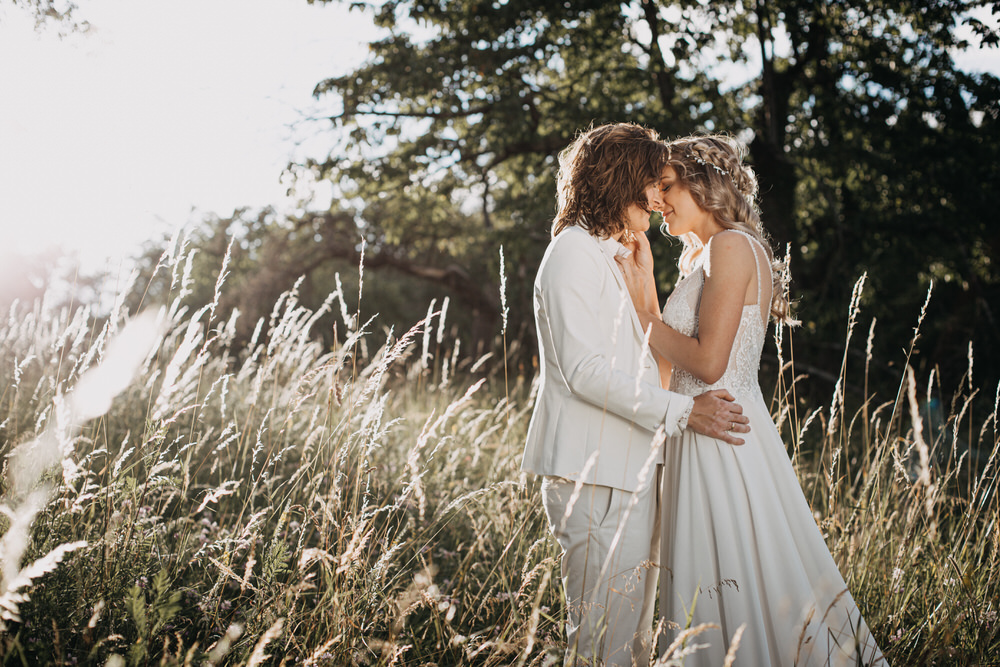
<point x="503" y="292"/>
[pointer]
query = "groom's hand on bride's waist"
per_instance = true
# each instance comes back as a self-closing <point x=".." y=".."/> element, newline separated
<point x="717" y="414"/>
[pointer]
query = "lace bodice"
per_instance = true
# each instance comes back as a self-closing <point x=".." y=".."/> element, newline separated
<point x="681" y="314"/>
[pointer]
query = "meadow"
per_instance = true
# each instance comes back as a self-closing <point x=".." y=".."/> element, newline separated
<point x="170" y="498"/>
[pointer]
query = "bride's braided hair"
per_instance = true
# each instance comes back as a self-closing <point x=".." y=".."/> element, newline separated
<point x="711" y="167"/>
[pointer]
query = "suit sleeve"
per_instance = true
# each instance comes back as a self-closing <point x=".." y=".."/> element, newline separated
<point x="569" y="287"/>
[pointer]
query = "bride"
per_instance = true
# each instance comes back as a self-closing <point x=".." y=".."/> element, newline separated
<point x="741" y="547"/>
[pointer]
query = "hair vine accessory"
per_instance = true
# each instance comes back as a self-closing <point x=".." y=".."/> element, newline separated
<point x="705" y="163"/>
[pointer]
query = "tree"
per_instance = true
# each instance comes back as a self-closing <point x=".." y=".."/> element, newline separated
<point x="874" y="152"/>
<point x="60" y="13"/>
<point x="450" y="143"/>
<point x="245" y="262"/>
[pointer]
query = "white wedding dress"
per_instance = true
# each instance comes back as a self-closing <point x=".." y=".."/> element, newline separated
<point x="738" y="529"/>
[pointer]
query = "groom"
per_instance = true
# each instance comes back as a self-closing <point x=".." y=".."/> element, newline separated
<point x="591" y="434"/>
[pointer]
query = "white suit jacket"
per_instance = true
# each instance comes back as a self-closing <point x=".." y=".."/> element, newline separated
<point x="599" y="395"/>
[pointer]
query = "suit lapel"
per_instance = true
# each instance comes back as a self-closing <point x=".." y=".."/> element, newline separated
<point x="620" y="281"/>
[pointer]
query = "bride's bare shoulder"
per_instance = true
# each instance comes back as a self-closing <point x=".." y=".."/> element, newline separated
<point x="729" y="250"/>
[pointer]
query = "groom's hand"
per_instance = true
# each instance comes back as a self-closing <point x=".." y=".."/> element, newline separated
<point x="717" y="415"/>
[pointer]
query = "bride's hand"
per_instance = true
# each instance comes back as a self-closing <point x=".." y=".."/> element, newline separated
<point x="637" y="270"/>
<point x="642" y="253"/>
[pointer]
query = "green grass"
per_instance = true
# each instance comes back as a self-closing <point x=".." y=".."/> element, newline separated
<point x="362" y="505"/>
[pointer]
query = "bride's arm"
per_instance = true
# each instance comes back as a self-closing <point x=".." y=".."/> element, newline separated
<point x="638" y="272"/>
<point x="728" y="271"/>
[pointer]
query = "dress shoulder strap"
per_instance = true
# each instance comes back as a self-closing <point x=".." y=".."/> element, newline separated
<point x="755" y="247"/>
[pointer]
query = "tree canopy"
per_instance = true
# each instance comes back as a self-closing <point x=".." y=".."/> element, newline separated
<point x="875" y="152"/>
<point x="58" y="13"/>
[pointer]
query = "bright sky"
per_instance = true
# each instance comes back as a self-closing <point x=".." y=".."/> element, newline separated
<point x="167" y="111"/>
<point x="111" y="137"/>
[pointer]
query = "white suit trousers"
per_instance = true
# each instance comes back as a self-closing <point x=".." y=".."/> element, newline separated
<point x="611" y="543"/>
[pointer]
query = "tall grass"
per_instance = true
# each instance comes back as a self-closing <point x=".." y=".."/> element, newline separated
<point x="907" y="499"/>
<point x="290" y="503"/>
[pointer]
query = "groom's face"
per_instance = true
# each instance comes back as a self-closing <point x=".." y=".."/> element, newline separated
<point x="638" y="217"/>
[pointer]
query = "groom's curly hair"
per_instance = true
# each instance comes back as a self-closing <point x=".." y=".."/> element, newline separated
<point x="603" y="172"/>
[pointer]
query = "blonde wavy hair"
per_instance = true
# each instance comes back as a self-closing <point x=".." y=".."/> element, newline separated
<point x="711" y="168"/>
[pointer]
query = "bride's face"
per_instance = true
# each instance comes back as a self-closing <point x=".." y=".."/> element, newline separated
<point x="680" y="212"/>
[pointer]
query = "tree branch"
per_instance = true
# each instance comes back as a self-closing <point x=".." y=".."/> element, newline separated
<point x="413" y="114"/>
<point x="475" y="292"/>
<point x="543" y="145"/>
